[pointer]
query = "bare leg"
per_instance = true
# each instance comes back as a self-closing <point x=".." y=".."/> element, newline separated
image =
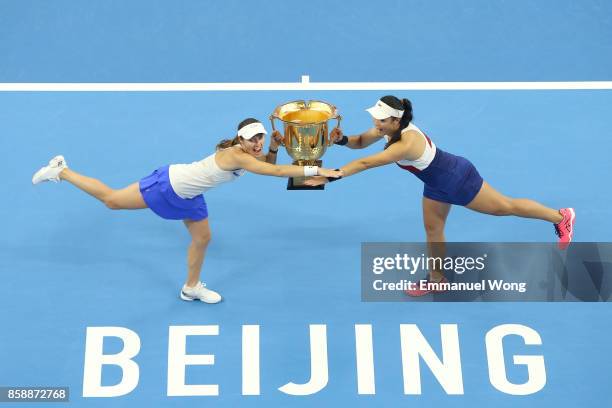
<point x="128" y="198"/>
<point x="489" y="201"/>
<point x="435" y="214"/>
<point x="200" y="237"/>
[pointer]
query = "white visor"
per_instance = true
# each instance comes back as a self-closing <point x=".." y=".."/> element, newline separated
<point x="251" y="130"/>
<point x="382" y="111"/>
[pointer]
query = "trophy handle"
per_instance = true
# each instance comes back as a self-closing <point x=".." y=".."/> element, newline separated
<point x="274" y="129"/>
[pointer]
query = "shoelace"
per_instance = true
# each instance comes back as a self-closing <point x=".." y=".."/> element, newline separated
<point x="558" y="231"/>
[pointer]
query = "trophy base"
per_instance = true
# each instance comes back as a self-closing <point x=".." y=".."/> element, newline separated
<point x="297" y="183"/>
<point x="292" y="184"/>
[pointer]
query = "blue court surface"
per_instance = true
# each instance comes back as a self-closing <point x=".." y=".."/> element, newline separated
<point x="289" y="261"/>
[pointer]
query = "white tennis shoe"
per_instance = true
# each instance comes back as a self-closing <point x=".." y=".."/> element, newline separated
<point x="200" y="292"/>
<point x="51" y="171"/>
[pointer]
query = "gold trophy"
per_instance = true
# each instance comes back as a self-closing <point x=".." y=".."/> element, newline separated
<point x="306" y="134"/>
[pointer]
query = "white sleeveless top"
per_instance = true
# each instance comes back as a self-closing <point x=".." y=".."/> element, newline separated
<point x="190" y="180"/>
<point x="428" y="154"/>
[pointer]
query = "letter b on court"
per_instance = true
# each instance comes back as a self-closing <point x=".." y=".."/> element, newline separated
<point x="95" y="359"/>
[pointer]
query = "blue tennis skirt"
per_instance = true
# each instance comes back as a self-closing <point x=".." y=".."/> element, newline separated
<point x="451" y="179"/>
<point x="157" y="192"/>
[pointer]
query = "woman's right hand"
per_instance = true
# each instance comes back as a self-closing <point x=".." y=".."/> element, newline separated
<point x="336" y="135"/>
<point x="330" y="173"/>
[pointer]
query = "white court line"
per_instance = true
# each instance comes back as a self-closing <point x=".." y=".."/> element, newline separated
<point x="304" y="85"/>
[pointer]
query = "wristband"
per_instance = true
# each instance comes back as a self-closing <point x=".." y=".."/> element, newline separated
<point x="311" y="171"/>
<point x="342" y="141"/>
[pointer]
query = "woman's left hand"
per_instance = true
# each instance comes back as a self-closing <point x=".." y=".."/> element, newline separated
<point x="277" y="139"/>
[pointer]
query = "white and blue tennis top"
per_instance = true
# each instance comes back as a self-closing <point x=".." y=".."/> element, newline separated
<point x="190" y="180"/>
<point x="426" y="158"/>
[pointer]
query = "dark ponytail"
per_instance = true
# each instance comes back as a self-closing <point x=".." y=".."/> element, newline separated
<point x="225" y="143"/>
<point x="406" y="118"/>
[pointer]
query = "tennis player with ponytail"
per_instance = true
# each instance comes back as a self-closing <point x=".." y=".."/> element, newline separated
<point x="448" y="179"/>
<point x="175" y="192"/>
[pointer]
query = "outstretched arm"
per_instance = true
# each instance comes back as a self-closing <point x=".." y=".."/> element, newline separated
<point x="250" y="163"/>
<point x="397" y="151"/>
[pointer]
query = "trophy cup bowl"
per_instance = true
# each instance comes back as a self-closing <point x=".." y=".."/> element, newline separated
<point x="305" y="134"/>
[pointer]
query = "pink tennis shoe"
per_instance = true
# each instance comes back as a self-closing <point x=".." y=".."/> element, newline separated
<point x="565" y="229"/>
